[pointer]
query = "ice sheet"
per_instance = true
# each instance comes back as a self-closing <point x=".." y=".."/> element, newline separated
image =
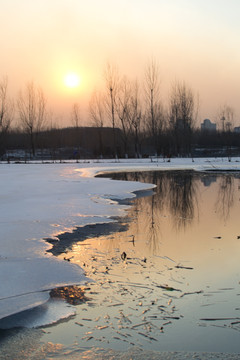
<point x="40" y="201"/>
<point x="24" y="282"/>
<point x="49" y="312"/>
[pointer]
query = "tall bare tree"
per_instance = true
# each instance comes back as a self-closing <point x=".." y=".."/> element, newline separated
<point x="76" y="119"/>
<point x="32" y="111"/>
<point x="76" y="115"/>
<point x="6" y="112"/>
<point x="152" y="96"/>
<point x="96" y="109"/>
<point x="135" y="115"/>
<point x="97" y="113"/>
<point x="182" y="116"/>
<point x="122" y="109"/>
<point x="225" y="118"/>
<point x="111" y="76"/>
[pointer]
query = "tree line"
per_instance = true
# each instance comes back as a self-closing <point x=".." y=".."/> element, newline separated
<point x="141" y="124"/>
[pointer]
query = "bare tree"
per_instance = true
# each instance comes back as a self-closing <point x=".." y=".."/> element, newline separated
<point x="111" y="77"/>
<point x="152" y="96"/>
<point x="97" y="112"/>
<point x="225" y="118"/>
<point x="6" y="113"/>
<point x="75" y="116"/>
<point x="76" y="119"/>
<point x="182" y="116"/>
<point x="135" y="115"/>
<point x="96" y="109"/>
<point x="32" y="111"/>
<point x="122" y="110"/>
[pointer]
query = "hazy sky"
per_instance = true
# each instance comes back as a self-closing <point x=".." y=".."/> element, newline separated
<point x="197" y="41"/>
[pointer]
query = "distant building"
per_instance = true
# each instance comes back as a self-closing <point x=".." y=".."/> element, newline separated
<point x="237" y="129"/>
<point x="208" y="180"/>
<point x="208" y="125"/>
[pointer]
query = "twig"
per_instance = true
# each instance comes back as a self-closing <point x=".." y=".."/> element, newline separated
<point x="219" y="319"/>
<point x="183" y="267"/>
<point x="147" y="336"/>
<point x="141" y="324"/>
<point x="192" y="293"/>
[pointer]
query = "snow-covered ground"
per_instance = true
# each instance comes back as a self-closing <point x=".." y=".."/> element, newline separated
<point x="41" y="200"/>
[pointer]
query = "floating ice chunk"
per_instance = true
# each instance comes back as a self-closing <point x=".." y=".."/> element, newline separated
<point x="20" y="303"/>
<point x="23" y="281"/>
<point x="49" y="313"/>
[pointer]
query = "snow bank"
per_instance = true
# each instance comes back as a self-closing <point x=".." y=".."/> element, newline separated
<point x="40" y="201"/>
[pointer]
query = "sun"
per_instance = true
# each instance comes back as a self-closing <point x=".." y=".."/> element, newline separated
<point x="72" y="80"/>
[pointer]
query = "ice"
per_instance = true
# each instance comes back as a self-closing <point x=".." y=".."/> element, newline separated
<point x="42" y="200"/>
<point x="48" y="313"/>
<point x="25" y="282"/>
<point x="18" y="303"/>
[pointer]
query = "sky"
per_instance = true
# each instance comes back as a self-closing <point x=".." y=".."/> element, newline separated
<point x="196" y="41"/>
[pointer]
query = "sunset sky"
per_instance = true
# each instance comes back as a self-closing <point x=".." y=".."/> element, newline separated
<point x="197" y="41"/>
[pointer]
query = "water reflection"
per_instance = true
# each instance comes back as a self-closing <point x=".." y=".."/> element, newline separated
<point x="178" y="286"/>
<point x="176" y="197"/>
<point x="208" y="180"/>
<point x="176" y="201"/>
<point x="177" y="192"/>
<point x="182" y="198"/>
<point x="225" y="199"/>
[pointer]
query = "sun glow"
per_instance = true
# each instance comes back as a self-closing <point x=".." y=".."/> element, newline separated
<point x="72" y="80"/>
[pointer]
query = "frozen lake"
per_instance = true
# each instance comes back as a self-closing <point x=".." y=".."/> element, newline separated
<point x="175" y="289"/>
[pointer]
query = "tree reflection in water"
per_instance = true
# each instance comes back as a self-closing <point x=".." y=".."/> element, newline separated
<point x="176" y="196"/>
<point x="225" y="199"/>
<point x="182" y="198"/>
<point x="175" y="193"/>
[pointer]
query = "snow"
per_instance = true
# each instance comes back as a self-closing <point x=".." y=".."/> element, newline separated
<point x="42" y="200"/>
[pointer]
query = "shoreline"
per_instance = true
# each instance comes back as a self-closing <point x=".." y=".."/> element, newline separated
<point x="64" y="240"/>
<point x="67" y="239"/>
